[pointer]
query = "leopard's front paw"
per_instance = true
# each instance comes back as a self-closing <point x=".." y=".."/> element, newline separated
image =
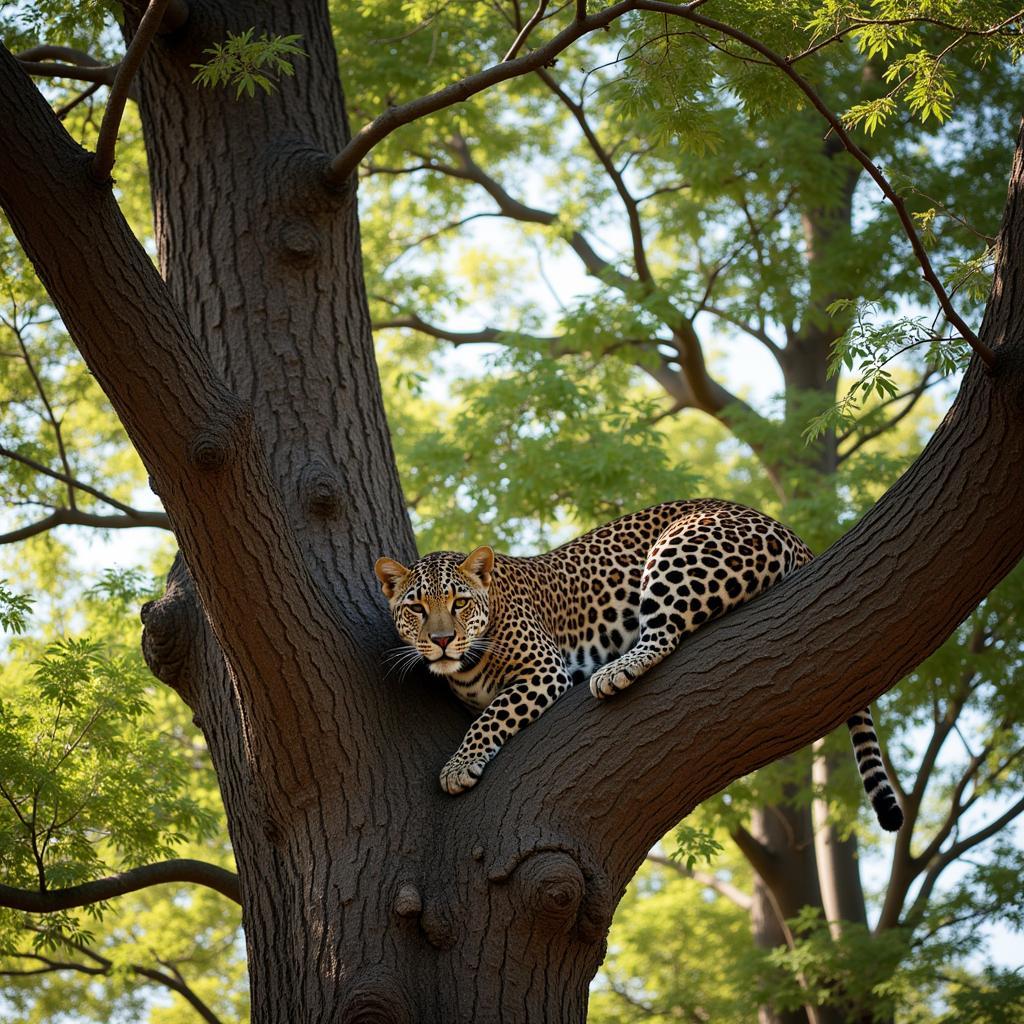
<point x="461" y="773"/>
<point x="607" y="681"/>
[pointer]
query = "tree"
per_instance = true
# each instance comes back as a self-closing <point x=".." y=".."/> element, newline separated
<point x="254" y="388"/>
<point x="759" y="233"/>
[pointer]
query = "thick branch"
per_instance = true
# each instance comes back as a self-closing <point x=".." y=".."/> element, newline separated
<point x="97" y="74"/>
<point x="196" y="438"/>
<point x="771" y="677"/>
<point x="710" y="395"/>
<point x="166" y="872"/>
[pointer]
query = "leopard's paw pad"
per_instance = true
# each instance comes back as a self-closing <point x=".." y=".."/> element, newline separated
<point x="608" y="681"/>
<point x="461" y="773"/>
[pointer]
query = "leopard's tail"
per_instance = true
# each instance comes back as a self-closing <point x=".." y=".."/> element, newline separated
<point x="872" y="771"/>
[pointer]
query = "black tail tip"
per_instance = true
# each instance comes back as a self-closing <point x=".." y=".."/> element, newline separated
<point x="890" y="818"/>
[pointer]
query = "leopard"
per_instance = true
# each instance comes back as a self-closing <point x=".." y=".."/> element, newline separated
<point x="511" y="634"/>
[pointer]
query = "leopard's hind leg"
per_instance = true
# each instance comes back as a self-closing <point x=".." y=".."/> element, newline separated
<point x="697" y="569"/>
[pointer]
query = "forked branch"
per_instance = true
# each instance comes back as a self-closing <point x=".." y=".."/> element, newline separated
<point x="74" y="483"/>
<point x="345" y="163"/>
<point x="524" y="32"/>
<point x="96" y="965"/>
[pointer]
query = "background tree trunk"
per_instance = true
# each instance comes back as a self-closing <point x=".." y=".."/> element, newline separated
<point x="247" y="382"/>
<point x="810" y="865"/>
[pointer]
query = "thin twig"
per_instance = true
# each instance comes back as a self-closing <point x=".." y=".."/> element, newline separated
<point x="63" y="112"/>
<point x="103" y="161"/>
<point x="643" y="271"/>
<point x="984" y="352"/>
<point x="41" y="391"/>
<point x="525" y="31"/>
<point x="860" y="23"/>
<point x="71" y="481"/>
<point x="735" y="895"/>
<point x="913" y="396"/>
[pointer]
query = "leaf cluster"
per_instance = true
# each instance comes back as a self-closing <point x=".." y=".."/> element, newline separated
<point x="868" y="347"/>
<point x="249" y="62"/>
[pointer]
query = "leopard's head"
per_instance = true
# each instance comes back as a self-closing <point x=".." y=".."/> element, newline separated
<point x="440" y="604"/>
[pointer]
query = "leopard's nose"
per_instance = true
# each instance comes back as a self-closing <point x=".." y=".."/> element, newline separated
<point x="442" y="639"/>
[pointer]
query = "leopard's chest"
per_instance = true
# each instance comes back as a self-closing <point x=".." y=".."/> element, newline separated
<point x="589" y="614"/>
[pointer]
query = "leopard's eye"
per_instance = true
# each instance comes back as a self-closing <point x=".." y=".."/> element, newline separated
<point x="417" y="608"/>
<point x="459" y="602"/>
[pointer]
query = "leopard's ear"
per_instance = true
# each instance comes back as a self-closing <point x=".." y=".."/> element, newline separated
<point x="390" y="573"/>
<point x="480" y="564"/>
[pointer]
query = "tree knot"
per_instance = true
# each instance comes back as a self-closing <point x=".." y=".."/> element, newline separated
<point x="376" y="996"/>
<point x="169" y="629"/>
<point x="562" y="885"/>
<point x="299" y="240"/>
<point x="320" y="489"/>
<point x="552" y="886"/>
<point x="438" y="922"/>
<point x="214" y="443"/>
<point x="408" y="902"/>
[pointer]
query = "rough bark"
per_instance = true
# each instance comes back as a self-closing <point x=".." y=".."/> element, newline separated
<point x="247" y="383"/>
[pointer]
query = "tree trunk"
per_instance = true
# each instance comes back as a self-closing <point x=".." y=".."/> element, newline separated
<point x="247" y="383"/>
<point x="787" y="881"/>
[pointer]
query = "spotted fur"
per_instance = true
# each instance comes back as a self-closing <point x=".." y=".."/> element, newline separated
<point x="511" y="635"/>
